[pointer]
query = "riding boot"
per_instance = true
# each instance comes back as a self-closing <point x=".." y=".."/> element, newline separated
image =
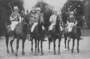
<point x="12" y="32"/>
<point x="30" y="36"/>
<point x="49" y="33"/>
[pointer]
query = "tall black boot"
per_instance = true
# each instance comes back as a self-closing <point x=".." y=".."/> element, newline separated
<point x="30" y="39"/>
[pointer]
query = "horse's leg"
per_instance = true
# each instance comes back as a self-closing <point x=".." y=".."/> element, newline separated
<point x="49" y="44"/>
<point x="38" y="45"/>
<point x="35" y="46"/>
<point x="73" y="45"/>
<point x="78" y="45"/>
<point x="54" y="46"/>
<point x="11" y="42"/>
<point x="7" y="39"/>
<point x="23" y="42"/>
<point x="65" y="41"/>
<point x="59" y="45"/>
<point x="32" y="45"/>
<point x="41" y="47"/>
<point x="17" y="46"/>
<point x="68" y="42"/>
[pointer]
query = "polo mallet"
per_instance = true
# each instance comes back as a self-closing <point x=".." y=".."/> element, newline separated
<point x="10" y="7"/>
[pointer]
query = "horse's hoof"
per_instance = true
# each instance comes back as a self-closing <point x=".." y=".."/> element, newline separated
<point x="49" y="50"/>
<point x="77" y="50"/>
<point x="35" y="53"/>
<point x="68" y="49"/>
<point x="58" y="53"/>
<point x="38" y="51"/>
<point x="7" y="51"/>
<point x="54" y="53"/>
<point x="65" y="49"/>
<point x="16" y="55"/>
<point x="32" y="50"/>
<point x="23" y="53"/>
<point x="12" y="51"/>
<point x="41" y="54"/>
<point x="72" y="51"/>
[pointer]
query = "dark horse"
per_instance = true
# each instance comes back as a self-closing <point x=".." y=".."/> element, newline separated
<point x="56" y="33"/>
<point x="74" y="34"/>
<point x="20" y="32"/>
<point x="38" y="34"/>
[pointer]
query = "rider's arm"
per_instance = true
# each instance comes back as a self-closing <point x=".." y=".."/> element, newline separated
<point x="50" y="19"/>
<point x="67" y="22"/>
<point x="75" y="22"/>
<point x="20" y="19"/>
<point x="11" y="17"/>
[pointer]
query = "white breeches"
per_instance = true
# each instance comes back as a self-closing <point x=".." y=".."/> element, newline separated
<point x="33" y="26"/>
<point x="13" y="24"/>
<point x="70" y="26"/>
<point x="51" y="26"/>
<point x="61" y="28"/>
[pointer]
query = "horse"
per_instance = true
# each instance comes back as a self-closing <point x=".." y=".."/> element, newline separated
<point x="74" y="34"/>
<point x="20" y="32"/>
<point x="38" y="35"/>
<point x="56" y="33"/>
<point x="47" y="14"/>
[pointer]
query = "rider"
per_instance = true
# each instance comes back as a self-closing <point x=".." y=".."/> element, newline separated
<point x="71" y="22"/>
<point x="15" y="18"/>
<point x="53" y="20"/>
<point x="36" y="19"/>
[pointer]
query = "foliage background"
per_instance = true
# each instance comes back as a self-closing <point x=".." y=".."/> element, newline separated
<point x="5" y="11"/>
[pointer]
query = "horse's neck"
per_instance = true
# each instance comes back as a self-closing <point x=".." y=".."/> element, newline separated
<point x="74" y="29"/>
<point x="57" y="20"/>
<point x="57" y="27"/>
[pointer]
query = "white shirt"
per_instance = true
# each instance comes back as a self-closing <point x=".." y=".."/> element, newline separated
<point x="53" y="18"/>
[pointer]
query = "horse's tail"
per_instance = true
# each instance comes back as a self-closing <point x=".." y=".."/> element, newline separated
<point x="57" y="24"/>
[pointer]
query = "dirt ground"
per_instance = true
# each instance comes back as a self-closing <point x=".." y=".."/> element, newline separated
<point x="84" y="50"/>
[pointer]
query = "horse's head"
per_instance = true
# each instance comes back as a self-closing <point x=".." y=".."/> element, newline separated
<point x="74" y="29"/>
<point x="41" y="19"/>
<point x="28" y="20"/>
<point x="59" y="23"/>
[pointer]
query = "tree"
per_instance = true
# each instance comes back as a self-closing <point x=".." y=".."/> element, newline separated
<point x="87" y="10"/>
<point x="73" y="5"/>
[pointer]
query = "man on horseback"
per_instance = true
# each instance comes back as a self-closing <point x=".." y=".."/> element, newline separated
<point x="15" y="18"/>
<point x="36" y="19"/>
<point x="71" y="22"/>
<point x="53" y="20"/>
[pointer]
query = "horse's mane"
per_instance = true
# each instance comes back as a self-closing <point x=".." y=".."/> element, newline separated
<point x="57" y="24"/>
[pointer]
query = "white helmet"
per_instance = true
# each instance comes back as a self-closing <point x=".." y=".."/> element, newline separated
<point x="55" y="10"/>
<point x="72" y="12"/>
<point x="16" y="7"/>
<point x="38" y="9"/>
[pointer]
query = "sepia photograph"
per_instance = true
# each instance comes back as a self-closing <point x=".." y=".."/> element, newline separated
<point x="44" y="29"/>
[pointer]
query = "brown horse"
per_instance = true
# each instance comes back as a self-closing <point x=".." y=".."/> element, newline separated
<point x="38" y="34"/>
<point x="56" y="33"/>
<point x="74" y="34"/>
<point x="20" y="32"/>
